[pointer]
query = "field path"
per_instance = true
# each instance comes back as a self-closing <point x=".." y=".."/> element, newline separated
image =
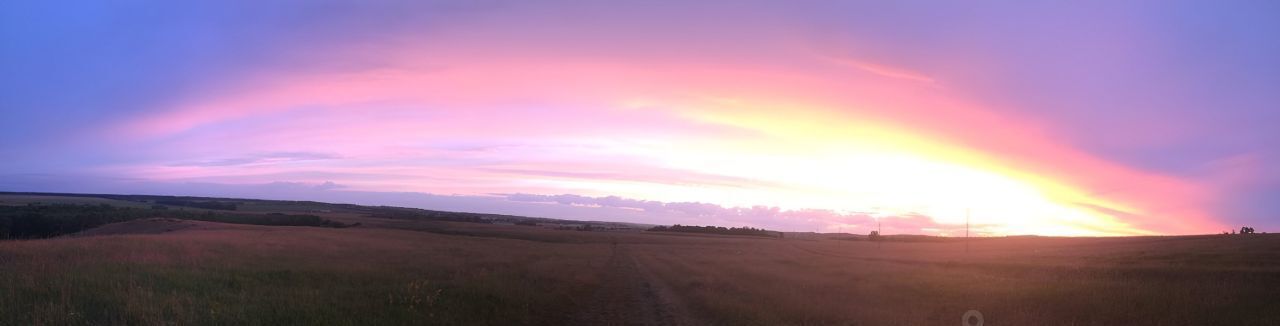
<point x="629" y="295"/>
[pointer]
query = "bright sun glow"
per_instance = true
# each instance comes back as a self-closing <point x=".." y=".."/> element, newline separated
<point x="867" y="169"/>
<point x="655" y="114"/>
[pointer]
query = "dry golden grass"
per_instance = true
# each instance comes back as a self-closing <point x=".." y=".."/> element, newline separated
<point x="1211" y="280"/>
<point x="293" y="275"/>
<point x="399" y="272"/>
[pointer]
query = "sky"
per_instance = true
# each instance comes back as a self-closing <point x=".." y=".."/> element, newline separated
<point x="1085" y="118"/>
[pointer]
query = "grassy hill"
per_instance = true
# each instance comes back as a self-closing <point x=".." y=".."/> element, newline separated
<point x="397" y="270"/>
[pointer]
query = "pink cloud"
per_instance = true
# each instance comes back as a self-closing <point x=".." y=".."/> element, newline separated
<point x="527" y="113"/>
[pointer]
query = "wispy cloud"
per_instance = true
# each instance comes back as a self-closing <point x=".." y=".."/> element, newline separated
<point x="637" y="173"/>
<point x="816" y="100"/>
<point x="327" y="185"/>
<point x="756" y="216"/>
<point x="882" y="70"/>
<point x="261" y="158"/>
<point x="891" y="72"/>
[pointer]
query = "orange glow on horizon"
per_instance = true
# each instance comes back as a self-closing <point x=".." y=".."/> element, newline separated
<point x="799" y="142"/>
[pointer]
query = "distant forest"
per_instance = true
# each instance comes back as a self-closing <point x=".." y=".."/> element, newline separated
<point x="218" y="205"/>
<point x="421" y="214"/>
<point x="43" y="221"/>
<point x="717" y="230"/>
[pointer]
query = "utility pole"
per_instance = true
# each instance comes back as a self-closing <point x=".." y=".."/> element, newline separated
<point x="966" y="231"/>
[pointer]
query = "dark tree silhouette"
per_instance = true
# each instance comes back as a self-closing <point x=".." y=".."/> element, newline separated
<point x="717" y="230"/>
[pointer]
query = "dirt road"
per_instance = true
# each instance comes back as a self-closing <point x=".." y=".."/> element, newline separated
<point x="630" y="296"/>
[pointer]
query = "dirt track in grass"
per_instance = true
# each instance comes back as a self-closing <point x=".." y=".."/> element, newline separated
<point x="631" y="296"/>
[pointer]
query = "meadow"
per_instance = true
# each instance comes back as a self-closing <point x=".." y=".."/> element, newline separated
<point x="405" y="271"/>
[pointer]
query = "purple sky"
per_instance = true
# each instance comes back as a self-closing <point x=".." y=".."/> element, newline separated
<point x="1087" y="117"/>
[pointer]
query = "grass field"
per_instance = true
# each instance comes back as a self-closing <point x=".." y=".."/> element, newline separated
<point x="17" y="200"/>
<point x="424" y="272"/>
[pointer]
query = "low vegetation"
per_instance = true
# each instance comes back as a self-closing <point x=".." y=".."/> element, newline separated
<point x="422" y="214"/>
<point x="42" y="221"/>
<point x="295" y="276"/>
<point x="413" y="271"/>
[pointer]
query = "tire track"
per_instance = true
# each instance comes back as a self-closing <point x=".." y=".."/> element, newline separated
<point x="628" y="295"/>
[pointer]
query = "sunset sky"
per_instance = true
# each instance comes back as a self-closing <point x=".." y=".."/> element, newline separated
<point x="1081" y="118"/>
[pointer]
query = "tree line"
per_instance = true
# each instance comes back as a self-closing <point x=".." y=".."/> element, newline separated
<point x="218" y="205"/>
<point x="717" y="230"/>
<point x="1244" y="230"/>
